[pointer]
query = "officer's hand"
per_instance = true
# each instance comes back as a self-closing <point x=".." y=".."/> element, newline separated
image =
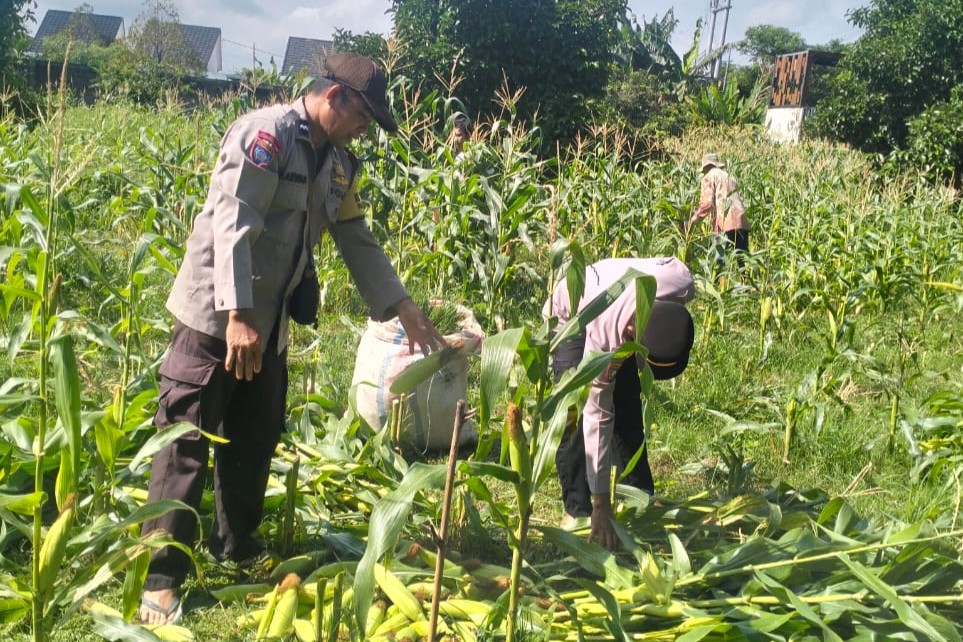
<point x="243" y="345"/>
<point x="419" y="329"/>
<point x="603" y="533"/>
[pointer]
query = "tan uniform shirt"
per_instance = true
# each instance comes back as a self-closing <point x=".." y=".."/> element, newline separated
<point x="267" y="205"/>
<point x="720" y="199"/>
<point x="606" y="333"/>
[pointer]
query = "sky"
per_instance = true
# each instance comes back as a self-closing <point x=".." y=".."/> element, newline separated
<point x="262" y="27"/>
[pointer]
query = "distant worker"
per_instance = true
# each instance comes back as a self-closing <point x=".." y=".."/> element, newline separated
<point x="719" y="198"/>
<point x="610" y="430"/>
<point x="460" y="134"/>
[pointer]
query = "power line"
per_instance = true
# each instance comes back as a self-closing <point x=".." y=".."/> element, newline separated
<point x="251" y="46"/>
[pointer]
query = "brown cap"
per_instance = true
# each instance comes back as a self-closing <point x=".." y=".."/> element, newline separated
<point x="364" y="76"/>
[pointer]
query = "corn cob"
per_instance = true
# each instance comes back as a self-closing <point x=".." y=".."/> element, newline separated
<point x="391" y="623"/>
<point x="287" y="607"/>
<point x="398" y="593"/>
<point x="304" y="630"/>
<point x="54" y="547"/>
<point x="465" y="610"/>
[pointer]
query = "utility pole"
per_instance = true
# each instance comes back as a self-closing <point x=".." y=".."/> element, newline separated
<point x="715" y="7"/>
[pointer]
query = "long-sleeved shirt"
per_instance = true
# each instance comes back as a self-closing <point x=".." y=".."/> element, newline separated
<point x="271" y="196"/>
<point x="607" y="332"/>
<point x="720" y="199"/>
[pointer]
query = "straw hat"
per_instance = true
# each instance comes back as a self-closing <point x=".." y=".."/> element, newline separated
<point x="711" y="160"/>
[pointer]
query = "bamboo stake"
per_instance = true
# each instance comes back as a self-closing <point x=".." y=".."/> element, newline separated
<point x="441" y="537"/>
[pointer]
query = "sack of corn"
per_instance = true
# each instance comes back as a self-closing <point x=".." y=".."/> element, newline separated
<point x="425" y="416"/>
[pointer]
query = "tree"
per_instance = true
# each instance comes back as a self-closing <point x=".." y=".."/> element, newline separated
<point x="910" y="56"/>
<point x="368" y="43"/>
<point x="87" y="45"/>
<point x="14" y="14"/>
<point x="764" y="42"/>
<point x="157" y="35"/>
<point x="558" y="50"/>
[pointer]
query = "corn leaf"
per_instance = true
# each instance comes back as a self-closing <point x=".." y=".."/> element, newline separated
<point x="22" y="504"/>
<point x="13" y="609"/>
<point x="613" y="623"/>
<point x="421" y="369"/>
<point x="158" y="441"/>
<point x="67" y="391"/>
<point x="388" y="518"/>
<point x="591" y="557"/>
<point x="906" y="613"/>
<point x="498" y="355"/>
<point x="111" y="627"/>
<point x="579" y="322"/>
<point x="790" y="598"/>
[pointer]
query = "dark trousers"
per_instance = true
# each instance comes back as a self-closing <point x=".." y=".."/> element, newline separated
<point x="737" y="240"/>
<point x="629" y="435"/>
<point x="196" y="388"/>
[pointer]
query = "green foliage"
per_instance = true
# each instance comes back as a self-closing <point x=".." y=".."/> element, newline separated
<point x="727" y="106"/>
<point x="935" y="141"/>
<point x="557" y="50"/>
<point x="156" y="36"/>
<point x="368" y="43"/>
<point x="637" y="98"/>
<point x="909" y="57"/>
<point x="762" y="43"/>
<point x="649" y="47"/>
<point x="14" y="16"/>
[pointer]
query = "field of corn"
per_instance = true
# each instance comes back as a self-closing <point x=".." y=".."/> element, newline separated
<point x="808" y="463"/>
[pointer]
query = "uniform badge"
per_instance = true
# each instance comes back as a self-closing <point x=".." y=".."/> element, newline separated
<point x="304" y="129"/>
<point x="264" y="148"/>
<point x="337" y="174"/>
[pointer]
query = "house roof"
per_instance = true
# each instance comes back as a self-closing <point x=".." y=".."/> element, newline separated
<point x="203" y="40"/>
<point x="306" y="53"/>
<point x="106" y="29"/>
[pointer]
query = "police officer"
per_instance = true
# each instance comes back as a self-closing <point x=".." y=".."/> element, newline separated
<point x="610" y="429"/>
<point x="282" y="177"/>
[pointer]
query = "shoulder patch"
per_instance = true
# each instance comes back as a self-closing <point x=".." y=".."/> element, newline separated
<point x="264" y="148"/>
<point x="304" y="128"/>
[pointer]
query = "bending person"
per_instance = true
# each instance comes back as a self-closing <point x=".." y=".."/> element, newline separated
<point x="610" y="429"/>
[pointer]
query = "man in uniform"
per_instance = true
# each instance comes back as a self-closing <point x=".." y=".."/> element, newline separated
<point x="610" y="430"/>
<point x="282" y="177"/>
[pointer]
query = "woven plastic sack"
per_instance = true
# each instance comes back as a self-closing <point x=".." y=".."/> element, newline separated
<point x="427" y="413"/>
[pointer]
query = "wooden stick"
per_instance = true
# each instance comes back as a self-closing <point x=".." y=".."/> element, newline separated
<point x="441" y="538"/>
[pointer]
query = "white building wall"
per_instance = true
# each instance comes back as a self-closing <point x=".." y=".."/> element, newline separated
<point x="785" y="123"/>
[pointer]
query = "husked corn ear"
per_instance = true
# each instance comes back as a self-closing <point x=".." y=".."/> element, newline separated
<point x="424" y="590"/>
<point x="398" y="593"/>
<point x="390" y="624"/>
<point x="478" y="569"/>
<point x="254" y="618"/>
<point x="287" y="607"/>
<point x="376" y="615"/>
<point x="304" y="630"/>
<point x="173" y="633"/>
<point x="54" y="547"/>
<point x="465" y="610"/>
